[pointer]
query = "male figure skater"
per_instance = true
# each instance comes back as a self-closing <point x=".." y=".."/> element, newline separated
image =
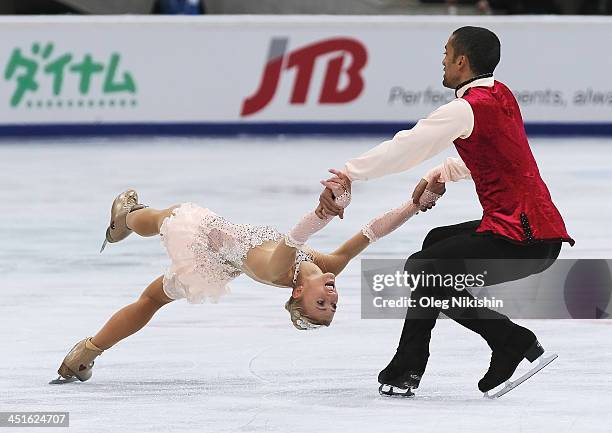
<point x="519" y="219"/>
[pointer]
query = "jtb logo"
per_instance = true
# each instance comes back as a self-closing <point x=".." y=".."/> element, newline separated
<point x="303" y="60"/>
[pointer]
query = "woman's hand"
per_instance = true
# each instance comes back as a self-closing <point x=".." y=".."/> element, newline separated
<point x="432" y="184"/>
<point x="334" y="187"/>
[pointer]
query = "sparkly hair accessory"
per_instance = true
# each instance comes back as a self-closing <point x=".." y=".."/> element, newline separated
<point x="305" y="325"/>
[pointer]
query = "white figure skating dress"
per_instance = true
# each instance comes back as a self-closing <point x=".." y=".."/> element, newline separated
<point x="206" y="251"/>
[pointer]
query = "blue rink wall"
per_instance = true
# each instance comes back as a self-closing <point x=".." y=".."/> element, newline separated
<point x="289" y="128"/>
<point x="332" y="75"/>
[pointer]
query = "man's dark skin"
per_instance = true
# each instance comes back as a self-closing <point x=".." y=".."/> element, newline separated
<point x="457" y="70"/>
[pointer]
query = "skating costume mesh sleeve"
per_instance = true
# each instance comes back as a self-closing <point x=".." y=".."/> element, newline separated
<point x="452" y="170"/>
<point x="391" y="220"/>
<point x="311" y="223"/>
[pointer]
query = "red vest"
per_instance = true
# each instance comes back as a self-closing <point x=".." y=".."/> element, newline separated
<point x="515" y="200"/>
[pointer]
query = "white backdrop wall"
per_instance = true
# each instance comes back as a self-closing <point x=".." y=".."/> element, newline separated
<point x="222" y="74"/>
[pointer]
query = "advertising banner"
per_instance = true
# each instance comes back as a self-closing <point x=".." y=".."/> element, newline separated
<point x="307" y="74"/>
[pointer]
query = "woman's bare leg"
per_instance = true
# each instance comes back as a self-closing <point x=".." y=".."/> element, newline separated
<point x="147" y="221"/>
<point x="133" y="317"/>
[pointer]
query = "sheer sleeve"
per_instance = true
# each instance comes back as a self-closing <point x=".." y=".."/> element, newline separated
<point x="311" y="223"/>
<point x="391" y="220"/>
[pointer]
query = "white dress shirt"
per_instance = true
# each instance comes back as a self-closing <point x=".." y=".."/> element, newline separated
<point x="429" y="137"/>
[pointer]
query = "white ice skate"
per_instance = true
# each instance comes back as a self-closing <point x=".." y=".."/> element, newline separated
<point x="543" y="361"/>
<point x="394" y="391"/>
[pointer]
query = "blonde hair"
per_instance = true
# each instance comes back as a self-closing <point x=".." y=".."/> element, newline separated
<point x="300" y="320"/>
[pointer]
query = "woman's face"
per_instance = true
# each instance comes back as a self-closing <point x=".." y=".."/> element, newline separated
<point x="319" y="297"/>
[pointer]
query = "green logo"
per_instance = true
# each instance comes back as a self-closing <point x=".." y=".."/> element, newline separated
<point x="100" y="83"/>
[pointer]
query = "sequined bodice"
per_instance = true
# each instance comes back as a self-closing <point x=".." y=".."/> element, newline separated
<point x="301" y="256"/>
<point x="221" y="247"/>
<point x="208" y="251"/>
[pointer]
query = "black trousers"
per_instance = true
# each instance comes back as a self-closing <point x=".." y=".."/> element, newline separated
<point x="460" y="241"/>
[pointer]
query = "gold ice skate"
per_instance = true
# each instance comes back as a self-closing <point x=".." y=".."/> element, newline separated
<point x="118" y="230"/>
<point x="79" y="362"/>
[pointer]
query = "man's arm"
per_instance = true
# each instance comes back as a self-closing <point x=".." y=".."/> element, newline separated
<point x="409" y="148"/>
<point x="451" y="170"/>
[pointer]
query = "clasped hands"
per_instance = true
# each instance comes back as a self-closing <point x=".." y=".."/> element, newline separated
<point x="340" y="182"/>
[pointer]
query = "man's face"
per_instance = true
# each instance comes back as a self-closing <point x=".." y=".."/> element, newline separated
<point x="452" y="66"/>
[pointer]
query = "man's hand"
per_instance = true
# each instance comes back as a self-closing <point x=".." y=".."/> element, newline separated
<point x="327" y="207"/>
<point x="333" y="186"/>
<point x="434" y="186"/>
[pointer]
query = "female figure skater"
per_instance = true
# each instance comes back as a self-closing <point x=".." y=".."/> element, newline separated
<point x="207" y="252"/>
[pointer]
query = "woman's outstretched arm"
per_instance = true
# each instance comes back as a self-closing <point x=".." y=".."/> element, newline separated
<point x="374" y="230"/>
<point x="283" y="256"/>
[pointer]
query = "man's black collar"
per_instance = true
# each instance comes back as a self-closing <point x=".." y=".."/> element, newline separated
<point x="477" y="77"/>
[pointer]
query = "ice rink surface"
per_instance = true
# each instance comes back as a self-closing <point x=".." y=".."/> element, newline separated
<point x="239" y="366"/>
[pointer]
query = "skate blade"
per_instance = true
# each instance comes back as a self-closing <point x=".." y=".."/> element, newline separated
<point x="61" y="380"/>
<point x="393" y="391"/>
<point x="510" y="385"/>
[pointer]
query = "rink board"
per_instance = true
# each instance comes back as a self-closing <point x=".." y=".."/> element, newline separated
<point x="222" y="75"/>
